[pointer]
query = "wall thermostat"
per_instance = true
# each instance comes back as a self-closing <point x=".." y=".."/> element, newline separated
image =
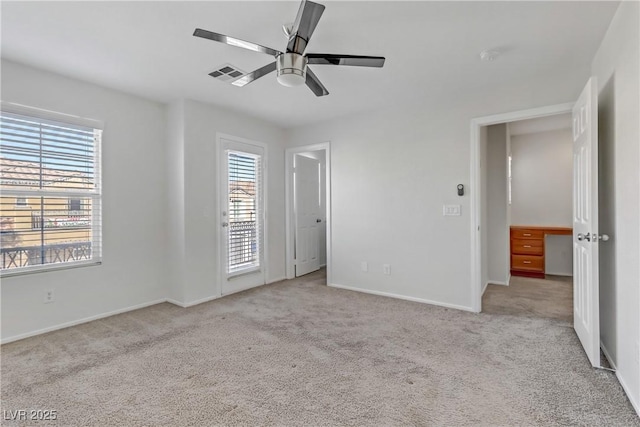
<point x="460" y="190"/>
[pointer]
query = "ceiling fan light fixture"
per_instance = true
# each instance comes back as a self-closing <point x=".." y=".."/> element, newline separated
<point x="291" y="66"/>
<point x="291" y="80"/>
<point x="291" y="69"/>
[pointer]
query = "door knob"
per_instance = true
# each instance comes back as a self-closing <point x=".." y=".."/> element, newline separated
<point x="603" y="237"/>
<point x="586" y="237"/>
<point x="318" y="220"/>
<point x="225" y="224"/>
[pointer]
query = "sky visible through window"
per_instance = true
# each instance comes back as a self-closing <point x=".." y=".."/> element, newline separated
<point x="242" y="168"/>
<point x="55" y="147"/>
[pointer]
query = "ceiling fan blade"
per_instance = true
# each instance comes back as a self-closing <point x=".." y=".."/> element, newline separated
<point x="314" y="84"/>
<point x="248" y="78"/>
<point x="308" y="16"/>
<point x="353" y="60"/>
<point x="231" y="41"/>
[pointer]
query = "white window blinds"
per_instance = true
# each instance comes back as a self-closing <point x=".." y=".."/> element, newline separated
<point x="244" y="230"/>
<point x="50" y="201"/>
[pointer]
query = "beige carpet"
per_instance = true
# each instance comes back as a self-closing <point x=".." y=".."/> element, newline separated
<point x="551" y="298"/>
<point x="301" y="354"/>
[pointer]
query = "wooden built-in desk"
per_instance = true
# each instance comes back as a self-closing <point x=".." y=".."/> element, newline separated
<point x="527" y="248"/>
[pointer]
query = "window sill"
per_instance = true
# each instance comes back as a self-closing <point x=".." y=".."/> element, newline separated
<point x="21" y="271"/>
<point x="243" y="272"/>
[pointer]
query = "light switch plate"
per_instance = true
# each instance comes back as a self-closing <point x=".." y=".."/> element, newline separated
<point x="451" y="210"/>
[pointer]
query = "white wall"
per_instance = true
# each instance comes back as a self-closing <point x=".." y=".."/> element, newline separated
<point x="159" y="201"/>
<point x="134" y="201"/>
<point x="542" y="170"/>
<point x="392" y="171"/>
<point x="496" y="205"/>
<point x="176" y="249"/>
<point x="195" y="146"/>
<point x="616" y="65"/>
<point x="542" y="190"/>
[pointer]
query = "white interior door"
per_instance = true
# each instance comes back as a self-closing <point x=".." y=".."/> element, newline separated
<point x="308" y="214"/>
<point x="241" y="216"/>
<point x="586" y="312"/>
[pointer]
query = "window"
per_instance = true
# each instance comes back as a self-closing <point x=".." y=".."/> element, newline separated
<point x="509" y="179"/>
<point x="75" y="204"/>
<point x="244" y="182"/>
<point x="56" y="167"/>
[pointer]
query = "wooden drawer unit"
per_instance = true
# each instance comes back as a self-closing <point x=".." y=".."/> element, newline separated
<point x="527" y="249"/>
<point x="525" y="233"/>
<point x="527" y="263"/>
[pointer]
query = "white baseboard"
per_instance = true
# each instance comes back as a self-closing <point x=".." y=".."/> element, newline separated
<point x="493" y="282"/>
<point x="484" y="288"/>
<point x="607" y="355"/>
<point x="563" y="274"/>
<point x="403" y="297"/>
<point x="636" y="405"/>
<point x="80" y="321"/>
<point x="192" y="303"/>
<point x="176" y="302"/>
<point x="211" y="298"/>
<point x="498" y="282"/>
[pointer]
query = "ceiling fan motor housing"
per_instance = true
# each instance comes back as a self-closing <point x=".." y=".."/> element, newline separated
<point x="291" y="69"/>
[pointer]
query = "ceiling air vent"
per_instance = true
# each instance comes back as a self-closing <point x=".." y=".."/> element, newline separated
<point x="227" y="73"/>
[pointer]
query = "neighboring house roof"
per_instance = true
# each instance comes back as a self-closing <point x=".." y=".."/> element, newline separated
<point x="242" y="188"/>
<point x="20" y="173"/>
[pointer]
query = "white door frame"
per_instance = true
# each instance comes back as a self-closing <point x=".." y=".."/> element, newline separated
<point x="474" y="183"/>
<point x="290" y="220"/>
<point x="222" y="276"/>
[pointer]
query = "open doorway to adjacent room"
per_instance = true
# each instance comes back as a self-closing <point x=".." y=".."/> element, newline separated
<point x="308" y="210"/>
<point x="526" y="172"/>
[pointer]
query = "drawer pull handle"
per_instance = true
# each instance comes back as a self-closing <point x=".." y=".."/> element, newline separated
<point x="526" y="234"/>
<point x="527" y="246"/>
<point x="526" y="262"/>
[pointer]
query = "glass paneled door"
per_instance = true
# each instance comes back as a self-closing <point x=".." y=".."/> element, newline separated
<point x="242" y="215"/>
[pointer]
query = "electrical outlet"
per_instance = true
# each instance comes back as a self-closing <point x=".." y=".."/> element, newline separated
<point x="386" y="269"/>
<point x="48" y="296"/>
<point x="364" y="266"/>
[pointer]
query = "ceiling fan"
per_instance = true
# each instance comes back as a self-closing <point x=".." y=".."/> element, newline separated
<point x="292" y="65"/>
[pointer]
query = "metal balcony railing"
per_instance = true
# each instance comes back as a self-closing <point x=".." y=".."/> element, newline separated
<point x="242" y="244"/>
<point x="48" y="254"/>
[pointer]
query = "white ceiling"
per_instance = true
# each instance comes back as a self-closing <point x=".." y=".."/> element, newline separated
<point x="540" y="124"/>
<point x="432" y="49"/>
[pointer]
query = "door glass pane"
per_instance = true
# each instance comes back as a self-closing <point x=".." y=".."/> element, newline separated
<point x="243" y="211"/>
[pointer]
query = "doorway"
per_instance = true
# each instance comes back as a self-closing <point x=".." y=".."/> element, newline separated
<point x="527" y="183"/>
<point x="478" y="223"/>
<point x="308" y="210"/>
<point x="479" y="209"/>
<point x="585" y="226"/>
<point x="242" y="181"/>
